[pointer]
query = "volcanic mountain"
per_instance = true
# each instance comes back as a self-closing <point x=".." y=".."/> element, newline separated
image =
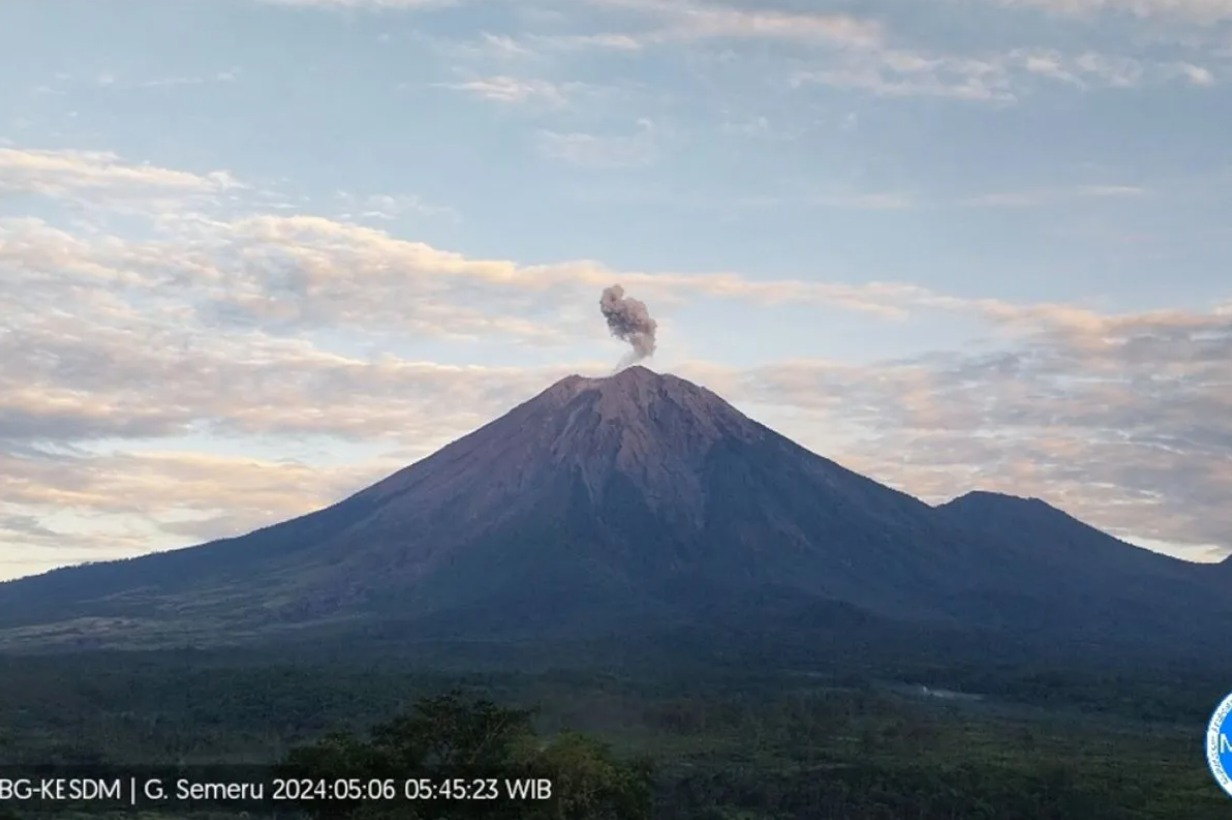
<point x="636" y="501"/>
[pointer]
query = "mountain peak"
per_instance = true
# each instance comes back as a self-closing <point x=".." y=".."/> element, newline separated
<point x="994" y="497"/>
<point x="1036" y="525"/>
<point x="637" y="397"/>
<point x="637" y="372"/>
<point x="988" y="506"/>
<point x="987" y="498"/>
<point x="624" y="378"/>
<point x="629" y="378"/>
<point x="651" y="430"/>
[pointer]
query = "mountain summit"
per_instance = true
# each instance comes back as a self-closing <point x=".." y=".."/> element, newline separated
<point x="634" y="428"/>
<point x="638" y="498"/>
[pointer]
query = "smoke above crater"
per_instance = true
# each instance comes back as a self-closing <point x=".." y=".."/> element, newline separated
<point x="629" y="320"/>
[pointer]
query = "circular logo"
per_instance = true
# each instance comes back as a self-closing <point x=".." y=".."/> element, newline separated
<point x="1219" y="745"/>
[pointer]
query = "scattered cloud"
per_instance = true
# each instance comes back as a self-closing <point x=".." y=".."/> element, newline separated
<point x="1195" y="11"/>
<point x="502" y="45"/>
<point x="1195" y="74"/>
<point x="683" y="20"/>
<point x="81" y="509"/>
<point x="496" y="52"/>
<point x="996" y="77"/>
<point x="1047" y="196"/>
<point x="864" y="54"/>
<point x="885" y="201"/>
<point x="850" y="52"/>
<point x="389" y="207"/>
<point x="291" y="274"/>
<point x="513" y="90"/>
<point x="603" y="151"/>
<point x="228" y="76"/>
<point x="63" y="83"/>
<point x="363" y="4"/>
<point x="962" y="80"/>
<point x="109" y="384"/>
<point x="68" y="174"/>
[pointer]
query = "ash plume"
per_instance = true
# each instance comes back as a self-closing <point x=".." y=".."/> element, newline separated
<point x="629" y="320"/>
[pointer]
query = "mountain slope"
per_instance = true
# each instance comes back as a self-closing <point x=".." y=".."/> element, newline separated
<point x="1054" y="536"/>
<point x="617" y="486"/>
<point x="635" y="501"/>
<point x="1098" y="587"/>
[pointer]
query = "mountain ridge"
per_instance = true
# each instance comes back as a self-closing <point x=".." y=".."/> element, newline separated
<point x="1036" y="521"/>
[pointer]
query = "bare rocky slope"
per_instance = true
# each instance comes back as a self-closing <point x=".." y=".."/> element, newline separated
<point x="636" y="501"/>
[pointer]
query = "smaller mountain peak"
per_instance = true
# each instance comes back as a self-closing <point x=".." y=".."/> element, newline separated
<point x="987" y="497"/>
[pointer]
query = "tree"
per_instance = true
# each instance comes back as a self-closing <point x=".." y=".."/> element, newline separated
<point x="447" y="738"/>
<point x="592" y="785"/>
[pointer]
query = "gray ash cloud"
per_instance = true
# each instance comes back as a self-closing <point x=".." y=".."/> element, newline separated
<point x="629" y="320"/>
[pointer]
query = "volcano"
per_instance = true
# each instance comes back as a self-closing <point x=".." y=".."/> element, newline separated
<point x="636" y="501"/>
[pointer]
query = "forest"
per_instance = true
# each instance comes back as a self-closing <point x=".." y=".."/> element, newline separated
<point x="628" y="743"/>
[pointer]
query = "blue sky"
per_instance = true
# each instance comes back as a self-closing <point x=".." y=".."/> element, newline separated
<point x="255" y="255"/>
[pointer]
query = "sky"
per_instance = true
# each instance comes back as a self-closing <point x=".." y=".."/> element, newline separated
<point x="257" y="254"/>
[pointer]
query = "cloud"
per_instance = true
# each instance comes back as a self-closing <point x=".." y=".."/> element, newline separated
<point x="967" y="82"/>
<point x="228" y="76"/>
<point x="109" y="81"/>
<point x="265" y="279"/>
<point x="25" y="527"/>
<point x="1116" y="72"/>
<point x="363" y="4"/>
<point x="285" y="274"/>
<point x="583" y="42"/>
<point x="154" y="483"/>
<point x="603" y="151"/>
<point x="1197" y="75"/>
<point x="1194" y="11"/>
<point x="389" y="207"/>
<point x="886" y="201"/>
<point x="501" y="46"/>
<point x="513" y="90"/>
<point x="99" y="506"/>
<point x="995" y="77"/>
<point x="293" y="274"/>
<point x="206" y="323"/>
<point x="647" y="24"/>
<point x="855" y="53"/>
<point x="109" y="384"/>
<point x="681" y="20"/>
<point x="99" y="174"/>
<point x="1046" y="196"/>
